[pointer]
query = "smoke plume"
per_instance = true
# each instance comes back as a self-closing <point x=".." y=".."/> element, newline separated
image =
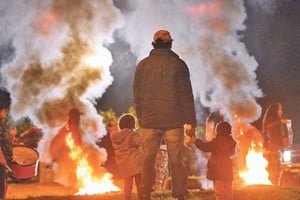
<point x="206" y="36"/>
<point x="60" y="61"/>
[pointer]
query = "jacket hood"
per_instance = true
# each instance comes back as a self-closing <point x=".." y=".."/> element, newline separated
<point x="119" y="137"/>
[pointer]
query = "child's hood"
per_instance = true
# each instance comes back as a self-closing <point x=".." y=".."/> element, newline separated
<point x="119" y="137"/>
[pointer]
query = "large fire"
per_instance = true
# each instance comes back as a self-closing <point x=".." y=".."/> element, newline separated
<point x="88" y="182"/>
<point x="256" y="164"/>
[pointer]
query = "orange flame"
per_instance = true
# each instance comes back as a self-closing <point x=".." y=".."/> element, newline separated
<point x="256" y="172"/>
<point x="88" y="182"/>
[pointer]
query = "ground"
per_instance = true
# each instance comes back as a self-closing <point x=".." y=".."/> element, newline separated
<point x="52" y="191"/>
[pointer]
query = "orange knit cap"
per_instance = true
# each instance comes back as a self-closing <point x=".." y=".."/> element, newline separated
<point x="163" y="35"/>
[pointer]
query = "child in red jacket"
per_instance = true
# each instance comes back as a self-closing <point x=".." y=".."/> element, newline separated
<point x="219" y="166"/>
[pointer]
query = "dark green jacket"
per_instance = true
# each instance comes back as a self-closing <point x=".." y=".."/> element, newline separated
<point x="162" y="90"/>
<point x="219" y="166"/>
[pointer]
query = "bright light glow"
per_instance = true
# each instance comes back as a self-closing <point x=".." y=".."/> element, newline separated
<point x="205" y="8"/>
<point x="99" y="57"/>
<point x="88" y="182"/>
<point x="241" y="132"/>
<point x="256" y="172"/>
<point x="286" y="156"/>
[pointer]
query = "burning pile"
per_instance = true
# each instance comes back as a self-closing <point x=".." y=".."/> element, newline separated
<point x="77" y="160"/>
<point x="256" y="165"/>
<point x="88" y="180"/>
<point x="252" y="164"/>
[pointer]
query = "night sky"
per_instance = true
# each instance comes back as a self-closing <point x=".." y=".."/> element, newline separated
<point x="272" y="37"/>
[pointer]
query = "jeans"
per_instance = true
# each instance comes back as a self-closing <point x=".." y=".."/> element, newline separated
<point x="128" y="184"/>
<point x="151" y="139"/>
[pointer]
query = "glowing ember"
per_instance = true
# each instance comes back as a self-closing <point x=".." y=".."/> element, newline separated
<point x="256" y="172"/>
<point x="88" y="182"/>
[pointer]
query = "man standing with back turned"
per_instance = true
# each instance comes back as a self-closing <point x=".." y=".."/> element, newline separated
<point x="164" y="102"/>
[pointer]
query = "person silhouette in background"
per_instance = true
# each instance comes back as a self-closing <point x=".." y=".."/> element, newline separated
<point x="275" y="134"/>
<point x="59" y="150"/>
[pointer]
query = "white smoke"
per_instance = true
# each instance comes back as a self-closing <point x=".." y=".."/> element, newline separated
<point x="206" y="36"/>
<point x="60" y="60"/>
<point x="49" y="38"/>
